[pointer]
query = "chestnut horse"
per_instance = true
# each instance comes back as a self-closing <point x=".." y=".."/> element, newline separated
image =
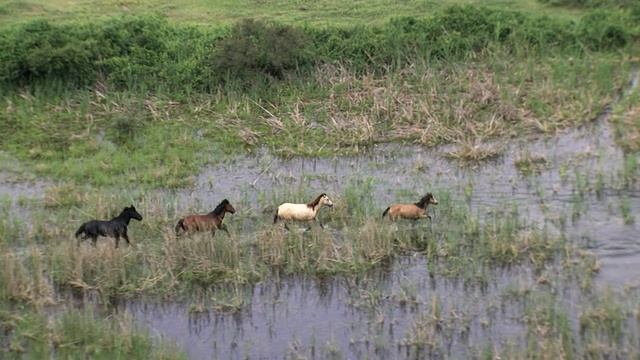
<point x="411" y="211"/>
<point x="211" y="221"/>
<point x="114" y="228"/>
<point x="301" y="212"/>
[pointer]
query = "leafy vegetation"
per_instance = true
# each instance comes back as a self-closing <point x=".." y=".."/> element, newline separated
<point x="137" y="99"/>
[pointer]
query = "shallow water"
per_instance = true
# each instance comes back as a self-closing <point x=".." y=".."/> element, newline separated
<point x="365" y="315"/>
<point x="312" y="318"/>
<point x="317" y="318"/>
<point x="403" y="173"/>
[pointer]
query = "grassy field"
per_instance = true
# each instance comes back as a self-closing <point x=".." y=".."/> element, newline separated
<point x="206" y="13"/>
<point x="95" y="101"/>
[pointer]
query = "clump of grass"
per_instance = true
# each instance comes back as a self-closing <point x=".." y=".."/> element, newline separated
<point x="23" y="279"/>
<point x="548" y="327"/>
<point x="474" y="153"/>
<point x="625" y="209"/>
<point x="65" y="195"/>
<point x="625" y="120"/>
<point x="602" y="324"/>
<point x="529" y="164"/>
<point x="80" y="333"/>
<point x="319" y="252"/>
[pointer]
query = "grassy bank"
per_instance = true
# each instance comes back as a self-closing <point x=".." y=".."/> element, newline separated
<point x="107" y="105"/>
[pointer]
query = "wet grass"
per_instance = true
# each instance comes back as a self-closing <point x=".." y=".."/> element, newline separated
<point x="112" y="138"/>
<point x="465" y="246"/>
<point x="78" y="333"/>
<point x="460" y="244"/>
<point x="625" y="119"/>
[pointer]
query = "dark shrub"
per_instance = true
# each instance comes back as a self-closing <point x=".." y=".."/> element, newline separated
<point x="42" y="52"/>
<point x="255" y="49"/>
<point x="603" y="30"/>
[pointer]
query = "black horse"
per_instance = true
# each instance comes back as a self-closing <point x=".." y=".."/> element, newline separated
<point x="114" y="228"/>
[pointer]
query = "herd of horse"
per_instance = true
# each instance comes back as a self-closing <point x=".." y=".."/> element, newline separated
<point x="286" y="212"/>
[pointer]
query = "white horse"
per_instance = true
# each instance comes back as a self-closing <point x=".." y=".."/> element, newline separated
<point x="301" y="212"/>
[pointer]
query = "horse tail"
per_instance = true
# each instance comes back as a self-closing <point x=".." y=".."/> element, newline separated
<point x="275" y="217"/>
<point x="180" y="226"/>
<point x="81" y="229"/>
<point x="386" y="211"/>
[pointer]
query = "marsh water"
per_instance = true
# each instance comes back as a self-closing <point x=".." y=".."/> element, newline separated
<point x="374" y="315"/>
<point x="365" y="315"/>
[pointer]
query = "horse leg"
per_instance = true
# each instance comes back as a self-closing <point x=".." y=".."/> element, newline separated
<point x="223" y="227"/>
<point x="285" y="225"/>
<point x="94" y="239"/>
<point x="126" y="237"/>
<point x="117" y="241"/>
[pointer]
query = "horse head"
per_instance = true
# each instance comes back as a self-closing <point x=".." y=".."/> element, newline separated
<point x="133" y="213"/>
<point x="228" y="207"/>
<point x="324" y="199"/>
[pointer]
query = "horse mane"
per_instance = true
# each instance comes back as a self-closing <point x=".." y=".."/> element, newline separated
<point x="316" y="201"/>
<point x="423" y="202"/>
<point x="220" y="208"/>
<point x="121" y="215"/>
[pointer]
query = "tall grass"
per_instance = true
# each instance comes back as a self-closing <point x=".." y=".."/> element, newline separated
<point x="354" y="240"/>
<point x="78" y="333"/>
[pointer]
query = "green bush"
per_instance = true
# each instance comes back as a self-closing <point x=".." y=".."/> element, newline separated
<point x="256" y="49"/>
<point x="135" y="51"/>
<point x="150" y="54"/>
<point x="43" y="52"/>
<point x="625" y="4"/>
<point x="603" y="30"/>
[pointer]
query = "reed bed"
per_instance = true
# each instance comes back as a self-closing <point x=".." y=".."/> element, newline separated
<point x="44" y="262"/>
<point x="353" y="241"/>
<point x="472" y="106"/>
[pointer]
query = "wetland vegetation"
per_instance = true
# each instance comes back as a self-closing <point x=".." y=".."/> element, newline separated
<point x="176" y="110"/>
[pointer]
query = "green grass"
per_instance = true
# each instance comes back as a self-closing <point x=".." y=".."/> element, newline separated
<point x="80" y="333"/>
<point x="158" y="263"/>
<point x="626" y="120"/>
<point x="325" y="12"/>
<point x="113" y="140"/>
<point x="154" y="110"/>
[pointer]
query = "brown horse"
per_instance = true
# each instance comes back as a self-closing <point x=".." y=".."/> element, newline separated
<point x="211" y="221"/>
<point x="411" y="211"/>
